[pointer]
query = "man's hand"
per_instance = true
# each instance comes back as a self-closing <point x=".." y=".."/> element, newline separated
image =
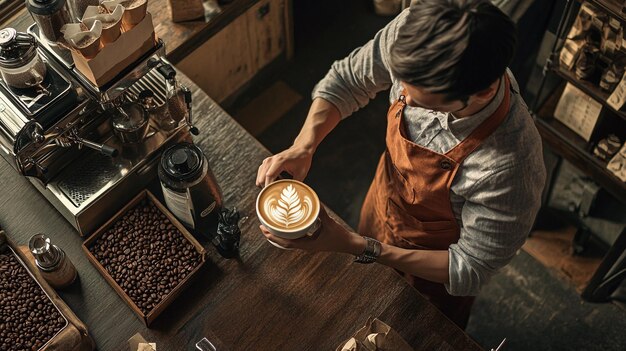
<point x="295" y="161"/>
<point x="331" y="236"/>
<point x="322" y="118"/>
<point x="432" y="265"/>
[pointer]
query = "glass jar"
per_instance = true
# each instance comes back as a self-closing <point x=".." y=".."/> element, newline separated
<point x="175" y="100"/>
<point x="50" y="16"/>
<point x="20" y="63"/>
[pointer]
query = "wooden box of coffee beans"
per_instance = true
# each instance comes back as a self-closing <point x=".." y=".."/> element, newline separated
<point x="32" y="315"/>
<point x="146" y="255"/>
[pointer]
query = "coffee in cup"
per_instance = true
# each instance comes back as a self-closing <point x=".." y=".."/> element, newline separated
<point x="288" y="208"/>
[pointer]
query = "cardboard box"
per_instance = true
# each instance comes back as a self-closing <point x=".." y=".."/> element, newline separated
<point x="111" y="60"/>
<point x="160" y="307"/>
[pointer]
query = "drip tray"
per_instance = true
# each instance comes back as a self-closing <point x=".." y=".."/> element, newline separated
<point x="88" y="176"/>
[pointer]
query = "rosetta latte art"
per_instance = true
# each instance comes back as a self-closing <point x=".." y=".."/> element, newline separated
<point x="288" y="210"/>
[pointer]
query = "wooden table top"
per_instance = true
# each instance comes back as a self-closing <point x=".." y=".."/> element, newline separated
<point x="269" y="299"/>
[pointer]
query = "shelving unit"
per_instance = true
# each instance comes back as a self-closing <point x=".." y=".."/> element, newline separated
<point x="575" y="149"/>
<point x="612" y="7"/>
<point x="588" y="88"/>
<point x="578" y="151"/>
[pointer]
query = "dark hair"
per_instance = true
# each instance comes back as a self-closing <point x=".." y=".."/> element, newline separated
<point x="456" y="47"/>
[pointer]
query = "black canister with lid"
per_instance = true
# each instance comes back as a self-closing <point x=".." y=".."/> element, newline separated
<point x="190" y="189"/>
<point x="51" y="16"/>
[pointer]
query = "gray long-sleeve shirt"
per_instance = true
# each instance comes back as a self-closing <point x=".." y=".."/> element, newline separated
<point x="495" y="195"/>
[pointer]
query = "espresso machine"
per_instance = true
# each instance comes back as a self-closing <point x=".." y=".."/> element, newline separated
<point x="88" y="149"/>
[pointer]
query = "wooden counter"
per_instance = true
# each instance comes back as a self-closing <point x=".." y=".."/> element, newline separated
<point x="269" y="299"/>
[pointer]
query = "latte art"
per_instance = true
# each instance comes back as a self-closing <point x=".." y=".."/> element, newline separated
<point x="288" y="210"/>
<point x="288" y="206"/>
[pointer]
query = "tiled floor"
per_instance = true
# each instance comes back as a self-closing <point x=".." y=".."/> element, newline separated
<point x="534" y="308"/>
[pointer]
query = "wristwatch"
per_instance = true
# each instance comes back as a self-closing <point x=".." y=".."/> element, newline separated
<point x="371" y="253"/>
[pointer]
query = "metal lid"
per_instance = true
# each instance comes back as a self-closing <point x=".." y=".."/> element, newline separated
<point x="16" y="48"/>
<point x="44" y="7"/>
<point x="130" y="117"/>
<point x="182" y="161"/>
<point x="46" y="254"/>
<point x="7" y="35"/>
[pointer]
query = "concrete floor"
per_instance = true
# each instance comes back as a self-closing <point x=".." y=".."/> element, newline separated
<point x="526" y="303"/>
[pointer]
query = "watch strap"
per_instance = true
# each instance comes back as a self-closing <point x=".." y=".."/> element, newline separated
<point x="372" y="251"/>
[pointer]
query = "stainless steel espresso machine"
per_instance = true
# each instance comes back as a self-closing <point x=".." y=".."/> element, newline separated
<point x="87" y="149"/>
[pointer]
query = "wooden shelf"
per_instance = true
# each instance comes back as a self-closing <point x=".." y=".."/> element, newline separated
<point x="588" y="88"/>
<point x="612" y="7"/>
<point x="180" y="38"/>
<point x="575" y="149"/>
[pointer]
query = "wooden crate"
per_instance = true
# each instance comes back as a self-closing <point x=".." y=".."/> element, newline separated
<point x="161" y="306"/>
<point x="73" y="335"/>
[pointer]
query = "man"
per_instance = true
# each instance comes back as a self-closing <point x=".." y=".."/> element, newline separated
<point x="457" y="190"/>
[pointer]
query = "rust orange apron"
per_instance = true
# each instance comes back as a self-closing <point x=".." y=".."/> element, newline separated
<point x="408" y="204"/>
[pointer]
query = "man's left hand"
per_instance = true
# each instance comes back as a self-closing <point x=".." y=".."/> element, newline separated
<point x="331" y="236"/>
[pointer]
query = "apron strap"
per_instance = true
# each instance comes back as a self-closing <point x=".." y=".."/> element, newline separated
<point x="486" y="128"/>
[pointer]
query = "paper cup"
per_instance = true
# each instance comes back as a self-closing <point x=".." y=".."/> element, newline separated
<point x="134" y="11"/>
<point x="134" y="15"/>
<point x="75" y="33"/>
<point x="111" y="22"/>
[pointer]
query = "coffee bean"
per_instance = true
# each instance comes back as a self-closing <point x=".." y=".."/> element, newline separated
<point x="29" y="319"/>
<point x="148" y="258"/>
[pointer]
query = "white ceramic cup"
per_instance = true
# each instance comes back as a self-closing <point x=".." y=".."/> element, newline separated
<point x="311" y="205"/>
